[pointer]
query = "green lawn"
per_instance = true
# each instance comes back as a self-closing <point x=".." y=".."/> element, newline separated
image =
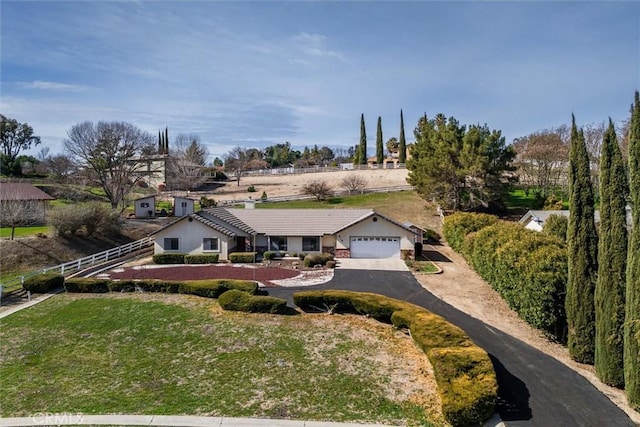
<point x="172" y="354"/>
<point x="354" y="201"/>
<point x="5" y="232"/>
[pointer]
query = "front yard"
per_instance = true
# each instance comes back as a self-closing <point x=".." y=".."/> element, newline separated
<point x="175" y="354"/>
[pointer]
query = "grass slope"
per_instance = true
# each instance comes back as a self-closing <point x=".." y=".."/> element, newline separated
<point x="122" y="354"/>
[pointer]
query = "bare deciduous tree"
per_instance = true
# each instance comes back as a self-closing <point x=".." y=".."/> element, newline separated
<point x="240" y="159"/>
<point x="186" y="163"/>
<point x="110" y="152"/>
<point x="542" y="158"/>
<point x="17" y="212"/>
<point x="318" y="189"/>
<point x="353" y="183"/>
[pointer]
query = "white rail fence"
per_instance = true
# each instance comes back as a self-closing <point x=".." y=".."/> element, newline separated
<point x="89" y="261"/>
<point x="345" y="167"/>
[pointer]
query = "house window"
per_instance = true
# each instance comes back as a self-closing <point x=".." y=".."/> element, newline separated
<point x="183" y="204"/>
<point x="277" y="243"/>
<point x="170" y="243"/>
<point x="210" y="244"/>
<point x="311" y="244"/>
<point x="144" y="205"/>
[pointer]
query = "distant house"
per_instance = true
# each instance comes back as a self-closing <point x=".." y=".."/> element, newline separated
<point x="22" y="204"/>
<point x="534" y="219"/>
<point x="145" y="207"/>
<point x="346" y="233"/>
<point x="183" y="206"/>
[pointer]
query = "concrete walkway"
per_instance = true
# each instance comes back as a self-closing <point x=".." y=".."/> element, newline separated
<point x="371" y="264"/>
<point x="163" y="420"/>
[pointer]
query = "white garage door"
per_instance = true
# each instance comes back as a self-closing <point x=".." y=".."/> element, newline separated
<point x="375" y="247"/>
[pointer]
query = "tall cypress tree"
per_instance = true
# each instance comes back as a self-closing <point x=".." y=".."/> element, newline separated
<point x="582" y="253"/>
<point x="612" y="262"/>
<point x="632" y="306"/>
<point x="402" y="155"/>
<point x="363" y="142"/>
<point x="379" y="145"/>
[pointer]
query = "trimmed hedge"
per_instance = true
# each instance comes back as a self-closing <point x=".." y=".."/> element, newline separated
<point x="464" y="372"/>
<point x="269" y="255"/>
<point x="527" y="268"/>
<point x="43" y="283"/>
<point x="312" y="260"/>
<point x="242" y="257"/>
<point x="204" y="288"/>
<point x="169" y="258"/>
<point x="457" y="226"/>
<point x="236" y="300"/>
<point x="201" y="259"/>
<point x="87" y="285"/>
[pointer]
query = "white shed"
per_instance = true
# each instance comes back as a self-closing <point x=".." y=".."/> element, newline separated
<point x="183" y="206"/>
<point x="145" y="207"/>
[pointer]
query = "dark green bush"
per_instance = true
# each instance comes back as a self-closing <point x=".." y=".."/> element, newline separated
<point x="269" y="255"/>
<point x="457" y="226"/>
<point x="312" y="260"/>
<point x="556" y="225"/>
<point x="301" y="256"/>
<point x="87" y="285"/>
<point x="201" y="259"/>
<point x="464" y="373"/>
<point x="242" y="257"/>
<point x="43" y="283"/>
<point x="251" y="189"/>
<point x="215" y="288"/>
<point x="169" y="258"/>
<point x="235" y="300"/>
<point x="527" y="268"/>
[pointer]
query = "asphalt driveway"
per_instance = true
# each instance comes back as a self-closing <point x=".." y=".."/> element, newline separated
<point x="534" y="389"/>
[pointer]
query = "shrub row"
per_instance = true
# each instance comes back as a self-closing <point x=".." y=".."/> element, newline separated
<point x="464" y="372"/>
<point x="43" y="283"/>
<point x="527" y="268"/>
<point x="242" y="257"/>
<point x="269" y="255"/>
<point x="169" y="258"/>
<point x="205" y="288"/>
<point x="457" y="226"/>
<point x="201" y="259"/>
<point x="236" y="300"/>
<point x="312" y="260"/>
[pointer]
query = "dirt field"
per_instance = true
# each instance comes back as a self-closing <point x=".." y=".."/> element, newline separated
<point x="286" y="185"/>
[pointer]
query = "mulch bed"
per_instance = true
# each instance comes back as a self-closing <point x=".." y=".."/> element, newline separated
<point x="263" y="275"/>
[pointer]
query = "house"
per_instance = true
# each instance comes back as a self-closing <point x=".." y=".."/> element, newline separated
<point x="183" y="206"/>
<point x="355" y="233"/>
<point x="22" y="204"/>
<point x="145" y="207"/>
<point x="534" y="220"/>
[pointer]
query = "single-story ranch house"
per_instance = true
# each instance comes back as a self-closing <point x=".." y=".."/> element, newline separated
<point x="346" y="233"/>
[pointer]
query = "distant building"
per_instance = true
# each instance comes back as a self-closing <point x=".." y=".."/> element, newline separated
<point x="25" y="200"/>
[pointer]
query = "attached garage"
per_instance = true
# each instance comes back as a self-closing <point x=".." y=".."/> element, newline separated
<point x="375" y="247"/>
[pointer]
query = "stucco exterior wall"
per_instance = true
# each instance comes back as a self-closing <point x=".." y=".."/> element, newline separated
<point x="190" y="235"/>
<point x="381" y="227"/>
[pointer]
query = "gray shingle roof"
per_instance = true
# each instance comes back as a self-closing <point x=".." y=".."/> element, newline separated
<point x="292" y="222"/>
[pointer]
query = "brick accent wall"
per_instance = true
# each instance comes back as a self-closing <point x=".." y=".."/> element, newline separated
<point x="329" y="250"/>
<point x="342" y="253"/>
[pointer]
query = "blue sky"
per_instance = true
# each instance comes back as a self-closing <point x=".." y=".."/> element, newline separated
<point x="259" y="73"/>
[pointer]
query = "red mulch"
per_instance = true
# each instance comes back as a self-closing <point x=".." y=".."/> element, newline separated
<point x="199" y="272"/>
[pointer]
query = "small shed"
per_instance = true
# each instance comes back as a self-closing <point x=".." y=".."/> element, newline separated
<point x="183" y="206"/>
<point x="145" y="207"/>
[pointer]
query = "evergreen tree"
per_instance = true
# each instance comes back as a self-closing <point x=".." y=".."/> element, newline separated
<point x="612" y="262"/>
<point x="379" y="145"/>
<point x="402" y="155"/>
<point x="632" y="306"/>
<point x="362" y="149"/>
<point x="582" y="253"/>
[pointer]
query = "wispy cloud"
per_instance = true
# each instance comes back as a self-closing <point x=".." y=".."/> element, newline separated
<point x="315" y="45"/>
<point x="51" y="86"/>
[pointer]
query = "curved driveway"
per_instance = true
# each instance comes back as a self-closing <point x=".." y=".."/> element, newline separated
<point x="534" y="389"/>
